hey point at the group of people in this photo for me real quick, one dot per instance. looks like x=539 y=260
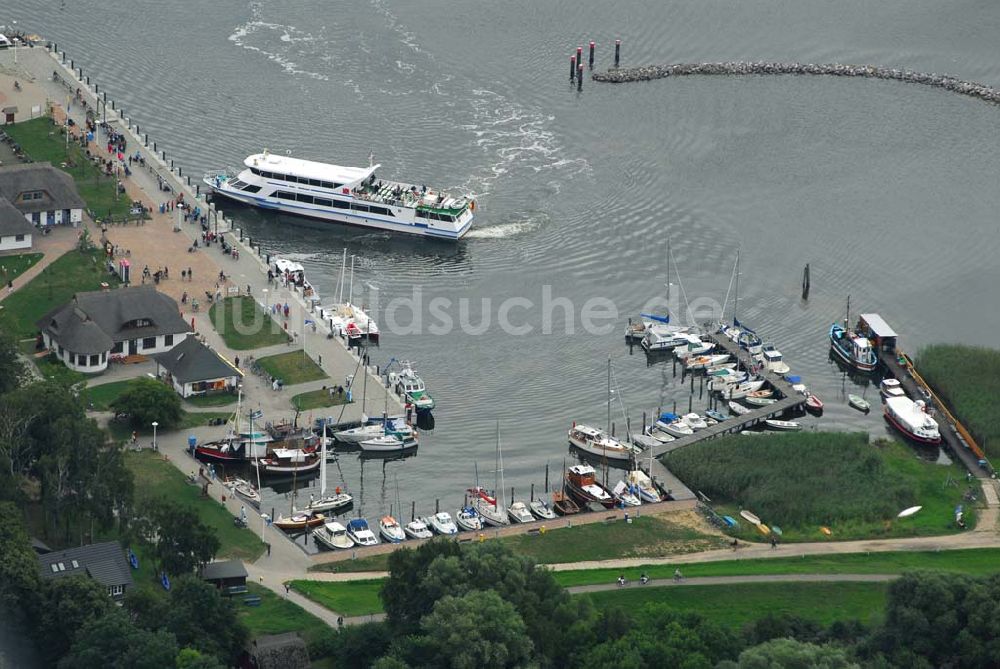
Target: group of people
x=159 y=274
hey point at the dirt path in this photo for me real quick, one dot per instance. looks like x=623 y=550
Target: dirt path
x=730 y=580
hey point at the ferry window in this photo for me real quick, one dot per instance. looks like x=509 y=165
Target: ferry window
x=337 y=185
x=379 y=210
x=315 y=182
x=266 y=175
x=421 y=213
x=308 y=199
x=284 y=195
x=252 y=189
x=323 y=203
x=326 y=184
x=359 y=207
x=254 y=170
x=340 y=204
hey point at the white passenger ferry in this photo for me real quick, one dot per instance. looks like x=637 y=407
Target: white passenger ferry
x=352 y=195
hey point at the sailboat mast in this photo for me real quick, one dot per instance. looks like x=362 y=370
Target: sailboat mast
x=668 y=276
x=263 y=523
x=322 y=463
x=736 y=302
x=847 y=316
x=350 y=294
x=340 y=284
x=499 y=472
x=608 y=426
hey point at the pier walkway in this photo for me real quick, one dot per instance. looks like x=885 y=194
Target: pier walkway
x=954 y=434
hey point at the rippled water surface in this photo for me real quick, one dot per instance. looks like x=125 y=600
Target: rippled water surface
x=888 y=190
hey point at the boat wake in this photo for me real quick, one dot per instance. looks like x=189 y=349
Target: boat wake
x=522 y=226
x=255 y=34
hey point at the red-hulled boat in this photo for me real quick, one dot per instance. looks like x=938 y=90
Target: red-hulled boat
x=224 y=451
x=581 y=482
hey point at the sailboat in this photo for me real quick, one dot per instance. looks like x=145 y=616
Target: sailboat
x=339 y=500
x=491 y=509
x=561 y=502
x=347 y=317
x=388 y=527
x=655 y=331
x=600 y=443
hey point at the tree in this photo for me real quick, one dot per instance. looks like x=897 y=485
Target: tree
x=147 y=607
x=12 y=369
x=111 y=641
x=476 y=630
x=67 y=605
x=201 y=619
x=19 y=581
x=189 y=658
x=148 y=400
x=179 y=539
x=353 y=646
x=792 y=654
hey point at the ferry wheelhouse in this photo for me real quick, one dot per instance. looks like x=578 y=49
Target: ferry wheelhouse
x=352 y=195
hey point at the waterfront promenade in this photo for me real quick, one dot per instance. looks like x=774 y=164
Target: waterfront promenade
x=156 y=244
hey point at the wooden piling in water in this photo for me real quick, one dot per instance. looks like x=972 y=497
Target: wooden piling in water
x=805 y=282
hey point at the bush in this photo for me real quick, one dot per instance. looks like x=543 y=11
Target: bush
x=148 y=400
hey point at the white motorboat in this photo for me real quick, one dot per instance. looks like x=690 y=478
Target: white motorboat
x=417 y=529
x=724 y=381
x=721 y=369
x=334 y=535
x=625 y=495
x=693 y=350
x=911 y=418
x=694 y=421
x=741 y=390
x=644 y=486
x=785 y=425
x=360 y=533
x=390 y=530
x=442 y=523
x=772 y=360
x=519 y=513
x=891 y=388
x=541 y=510
x=705 y=361
x=246 y=490
x=664 y=339
x=597 y=443
x=468 y=519
x=351 y=195
x=738 y=409
x=673 y=425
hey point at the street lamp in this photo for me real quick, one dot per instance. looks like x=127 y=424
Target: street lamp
x=155 y=425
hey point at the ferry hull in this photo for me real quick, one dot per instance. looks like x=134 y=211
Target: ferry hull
x=357 y=220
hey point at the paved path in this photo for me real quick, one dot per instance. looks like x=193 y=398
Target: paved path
x=730 y=580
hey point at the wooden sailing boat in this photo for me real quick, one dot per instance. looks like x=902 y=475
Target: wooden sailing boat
x=491 y=509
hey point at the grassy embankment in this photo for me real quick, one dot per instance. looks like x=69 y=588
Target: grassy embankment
x=72 y=273
x=646 y=536
x=277 y=615
x=317 y=399
x=292 y=367
x=802 y=482
x=244 y=325
x=349 y=598
x=967 y=379
x=157 y=477
x=737 y=604
x=43 y=141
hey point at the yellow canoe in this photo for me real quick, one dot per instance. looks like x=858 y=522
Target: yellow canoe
x=764 y=529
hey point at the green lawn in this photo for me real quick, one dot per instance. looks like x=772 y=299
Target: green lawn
x=967 y=379
x=802 y=482
x=43 y=141
x=647 y=536
x=12 y=267
x=976 y=561
x=292 y=367
x=53 y=369
x=351 y=598
x=277 y=615
x=100 y=397
x=189 y=419
x=72 y=273
x=317 y=399
x=158 y=477
x=212 y=400
x=740 y=603
x=244 y=325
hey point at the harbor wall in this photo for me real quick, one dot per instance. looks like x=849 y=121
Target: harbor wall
x=946 y=82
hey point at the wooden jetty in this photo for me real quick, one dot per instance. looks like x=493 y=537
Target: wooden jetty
x=791 y=401
x=959 y=441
